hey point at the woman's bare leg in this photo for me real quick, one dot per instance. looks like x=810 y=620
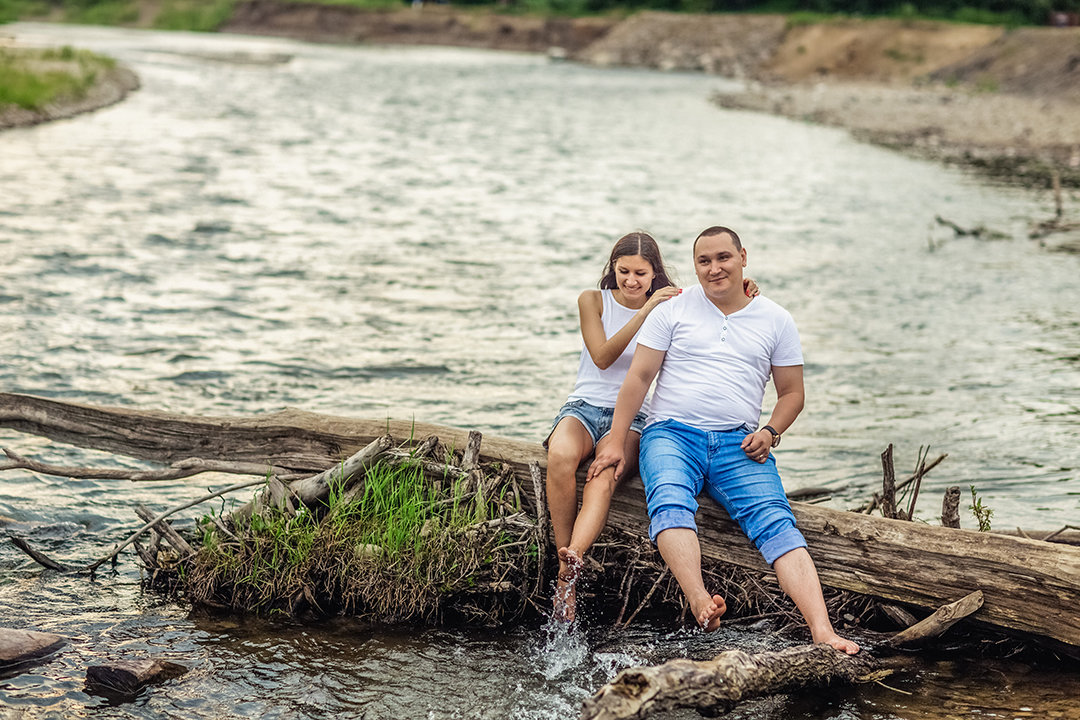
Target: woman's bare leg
x=596 y=501
x=569 y=444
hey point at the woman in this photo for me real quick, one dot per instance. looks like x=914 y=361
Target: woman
x=634 y=282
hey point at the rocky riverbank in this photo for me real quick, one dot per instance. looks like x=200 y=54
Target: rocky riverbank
x=1007 y=103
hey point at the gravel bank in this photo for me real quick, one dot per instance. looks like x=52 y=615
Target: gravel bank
x=1017 y=138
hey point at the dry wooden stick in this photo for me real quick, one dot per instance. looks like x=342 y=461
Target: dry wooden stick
x=51 y=564
x=950 y=507
x=1054 y=534
x=648 y=596
x=875 y=501
x=941 y=620
x=171 y=511
x=179 y=469
x=919 y=465
x=178 y=543
x=888 y=484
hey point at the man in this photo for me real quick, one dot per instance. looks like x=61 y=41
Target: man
x=714 y=349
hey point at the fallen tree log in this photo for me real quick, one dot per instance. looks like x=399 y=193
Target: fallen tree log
x=729 y=678
x=1029 y=586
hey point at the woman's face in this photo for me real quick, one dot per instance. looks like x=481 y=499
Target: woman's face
x=634 y=275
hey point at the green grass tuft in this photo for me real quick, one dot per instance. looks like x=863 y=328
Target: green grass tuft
x=32 y=79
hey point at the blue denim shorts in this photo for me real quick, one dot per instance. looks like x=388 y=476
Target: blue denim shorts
x=677 y=461
x=597 y=420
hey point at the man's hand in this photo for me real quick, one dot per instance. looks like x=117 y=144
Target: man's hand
x=608 y=454
x=756 y=445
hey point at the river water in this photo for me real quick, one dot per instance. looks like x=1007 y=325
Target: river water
x=402 y=232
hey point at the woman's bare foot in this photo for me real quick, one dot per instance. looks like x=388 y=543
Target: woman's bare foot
x=708 y=610
x=566 y=586
x=835 y=641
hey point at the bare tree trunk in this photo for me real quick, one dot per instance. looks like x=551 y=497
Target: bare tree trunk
x=1028 y=585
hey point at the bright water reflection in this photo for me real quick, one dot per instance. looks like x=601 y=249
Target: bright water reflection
x=403 y=232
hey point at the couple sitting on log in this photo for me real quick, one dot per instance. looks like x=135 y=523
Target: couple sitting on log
x=714 y=347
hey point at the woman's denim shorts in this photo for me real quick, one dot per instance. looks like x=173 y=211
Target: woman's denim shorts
x=597 y=420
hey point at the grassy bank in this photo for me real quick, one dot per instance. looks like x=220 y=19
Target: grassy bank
x=33 y=79
x=402 y=546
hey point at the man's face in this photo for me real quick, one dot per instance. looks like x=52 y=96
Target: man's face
x=719 y=265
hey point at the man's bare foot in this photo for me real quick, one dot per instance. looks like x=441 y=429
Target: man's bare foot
x=566 y=585
x=708 y=612
x=835 y=641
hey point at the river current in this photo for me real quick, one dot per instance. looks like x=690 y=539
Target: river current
x=403 y=232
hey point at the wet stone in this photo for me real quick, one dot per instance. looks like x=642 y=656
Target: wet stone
x=23 y=646
x=125 y=678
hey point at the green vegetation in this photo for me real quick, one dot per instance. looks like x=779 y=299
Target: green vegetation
x=206 y=15
x=194 y=15
x=981 y=512
x=405 y=547
x=31 y=79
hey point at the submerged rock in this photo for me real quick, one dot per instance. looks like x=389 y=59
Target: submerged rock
x=23 y=646
x=126 y=678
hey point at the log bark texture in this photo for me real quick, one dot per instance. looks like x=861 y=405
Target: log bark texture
x=1029 y=586
x=721 y=683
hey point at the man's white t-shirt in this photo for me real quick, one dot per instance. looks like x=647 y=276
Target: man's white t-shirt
x=716 y=367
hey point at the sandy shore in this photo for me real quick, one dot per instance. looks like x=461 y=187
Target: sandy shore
x=1013 y=137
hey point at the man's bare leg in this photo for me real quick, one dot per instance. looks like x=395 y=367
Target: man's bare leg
x=799 y=579
x=682 y=553
x=569 y=444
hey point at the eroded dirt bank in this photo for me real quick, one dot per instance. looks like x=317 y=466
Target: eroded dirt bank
x=1005 y=102
x=428 y=25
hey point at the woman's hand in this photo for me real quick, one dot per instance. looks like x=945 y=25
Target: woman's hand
x=664 y=293
x=750 y=287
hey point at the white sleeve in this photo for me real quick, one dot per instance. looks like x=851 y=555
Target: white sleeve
x=655 y=332
x=788 y=350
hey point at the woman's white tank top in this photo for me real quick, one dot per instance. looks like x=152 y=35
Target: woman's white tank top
x=601 y=387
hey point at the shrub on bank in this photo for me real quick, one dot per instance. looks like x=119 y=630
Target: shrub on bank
x=406 y=547
x=32 y=79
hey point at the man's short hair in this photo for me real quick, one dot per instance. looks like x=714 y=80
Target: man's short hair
x=718 y=230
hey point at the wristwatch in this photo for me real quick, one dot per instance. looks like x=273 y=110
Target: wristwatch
x=775 y=434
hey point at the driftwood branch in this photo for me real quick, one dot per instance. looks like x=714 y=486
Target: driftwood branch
x=875 y=501
x=729 y=678
x=950 y=507
x=178 y=543
x=943 y=618
x=51 y=564
x=177 y=470
x=888 y=484
x=171 y=511
x=311 y=490
x=39 y=557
